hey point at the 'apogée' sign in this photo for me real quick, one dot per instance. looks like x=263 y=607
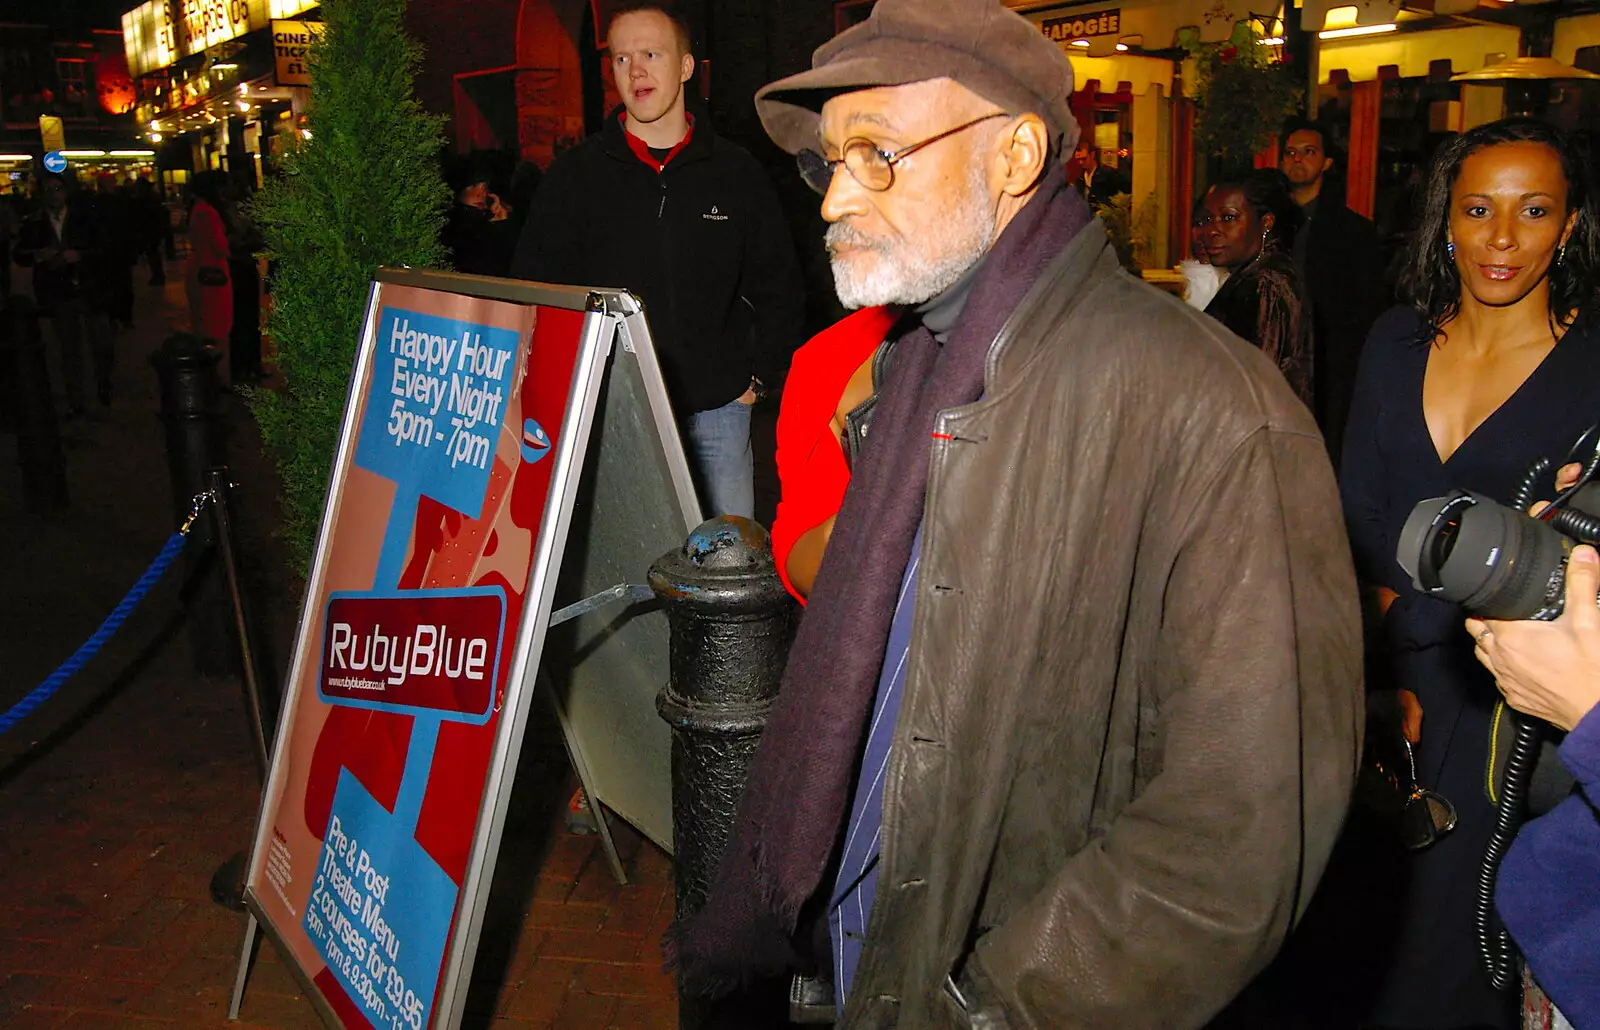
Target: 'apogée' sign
x=1069 y=27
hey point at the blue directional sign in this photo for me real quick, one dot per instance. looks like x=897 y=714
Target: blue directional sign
x=54 y=162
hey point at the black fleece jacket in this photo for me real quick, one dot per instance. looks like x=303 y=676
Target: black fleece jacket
x=702 y=243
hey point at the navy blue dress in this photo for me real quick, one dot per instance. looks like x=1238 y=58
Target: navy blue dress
x=1435 y=979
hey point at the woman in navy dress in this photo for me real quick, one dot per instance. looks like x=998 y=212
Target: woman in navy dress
x=1494 y=361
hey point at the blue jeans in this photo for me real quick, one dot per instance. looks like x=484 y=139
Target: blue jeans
x=719 y=457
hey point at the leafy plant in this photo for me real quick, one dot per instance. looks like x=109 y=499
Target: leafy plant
x=362 y=189
x=1131 y=229
x=1243 y=94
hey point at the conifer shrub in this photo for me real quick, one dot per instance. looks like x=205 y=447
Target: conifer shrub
x=361 y=190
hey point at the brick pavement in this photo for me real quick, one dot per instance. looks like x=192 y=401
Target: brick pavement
x=119 y=801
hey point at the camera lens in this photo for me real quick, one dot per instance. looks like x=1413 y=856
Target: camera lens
x=1491 y=560
x=1443 y=541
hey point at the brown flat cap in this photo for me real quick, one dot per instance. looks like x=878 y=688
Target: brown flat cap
x=993 y=51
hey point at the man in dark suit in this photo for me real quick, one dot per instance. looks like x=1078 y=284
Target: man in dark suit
x=1096 y=182
x=64 y=244
x=1337 y=254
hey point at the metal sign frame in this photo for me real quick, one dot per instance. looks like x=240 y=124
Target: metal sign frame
x=610 y=316
x=604 y=668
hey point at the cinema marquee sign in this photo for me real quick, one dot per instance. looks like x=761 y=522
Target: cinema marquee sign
x=158 y=33
x=1069 y=27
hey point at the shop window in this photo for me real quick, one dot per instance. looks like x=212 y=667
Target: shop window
x=72 y=77
x=1418 y=114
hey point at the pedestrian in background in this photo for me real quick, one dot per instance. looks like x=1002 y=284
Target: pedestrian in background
x=1096 y=181
x=8 y=229
x=153 y=225
x=658 y=204
x=1337 y=254
x=1247 y=224
x=244 y=276
x=113 y=266
x=481 y=232
x=206 y=280
x=61 y=242
x=1202 y=277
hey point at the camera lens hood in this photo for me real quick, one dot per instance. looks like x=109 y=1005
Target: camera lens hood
x=1492 y=560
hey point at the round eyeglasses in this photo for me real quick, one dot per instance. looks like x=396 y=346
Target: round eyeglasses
x=867 y=164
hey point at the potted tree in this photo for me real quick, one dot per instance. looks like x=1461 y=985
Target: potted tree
x=360 y=188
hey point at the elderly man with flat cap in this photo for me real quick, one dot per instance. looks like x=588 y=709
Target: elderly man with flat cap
x=1069 y=725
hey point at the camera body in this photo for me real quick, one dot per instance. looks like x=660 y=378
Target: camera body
x=1494 y=561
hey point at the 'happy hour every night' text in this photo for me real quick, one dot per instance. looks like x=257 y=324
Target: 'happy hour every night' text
x=447 y=391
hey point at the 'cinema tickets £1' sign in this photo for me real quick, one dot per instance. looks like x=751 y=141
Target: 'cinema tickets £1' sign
x=158 y=33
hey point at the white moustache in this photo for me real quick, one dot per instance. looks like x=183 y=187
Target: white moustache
x=842 y=235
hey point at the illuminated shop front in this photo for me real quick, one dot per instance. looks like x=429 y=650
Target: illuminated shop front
x=68 y=94
x=1396 y=78
x=220 y=83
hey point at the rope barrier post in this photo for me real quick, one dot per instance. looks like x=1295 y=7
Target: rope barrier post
x=187 y=373
x=261 y=716
x=25 y=377
x=227 y=883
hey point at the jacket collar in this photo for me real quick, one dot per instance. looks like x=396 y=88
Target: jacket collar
x=1328 y=200
x=624 y=146
x=1086 y=256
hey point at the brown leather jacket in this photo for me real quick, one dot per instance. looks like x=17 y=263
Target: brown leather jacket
x=1133 y=709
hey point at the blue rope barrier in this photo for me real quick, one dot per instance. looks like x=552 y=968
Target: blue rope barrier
x=43 y=692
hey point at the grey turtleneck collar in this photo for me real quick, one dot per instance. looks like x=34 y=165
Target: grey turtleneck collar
x=941 y=313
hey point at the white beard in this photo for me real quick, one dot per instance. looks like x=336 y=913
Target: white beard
x=902 y=271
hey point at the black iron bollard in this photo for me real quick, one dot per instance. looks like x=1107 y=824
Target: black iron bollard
x=187 y=373
x=731 y=625
x=25 y=378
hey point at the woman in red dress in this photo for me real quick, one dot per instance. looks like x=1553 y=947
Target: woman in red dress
x=830 y=376
x=206 y=279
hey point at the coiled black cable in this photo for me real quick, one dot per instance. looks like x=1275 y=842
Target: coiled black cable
x=1494 y=945
x=1522 y=500
x=1577 y=524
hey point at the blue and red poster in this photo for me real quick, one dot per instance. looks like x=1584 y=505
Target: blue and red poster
x=406 y=645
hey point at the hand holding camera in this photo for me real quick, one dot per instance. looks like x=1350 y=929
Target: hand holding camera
x=1531 y=580
x=1550 y=670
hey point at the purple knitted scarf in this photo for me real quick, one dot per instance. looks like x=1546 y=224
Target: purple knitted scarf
x=798 y=793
